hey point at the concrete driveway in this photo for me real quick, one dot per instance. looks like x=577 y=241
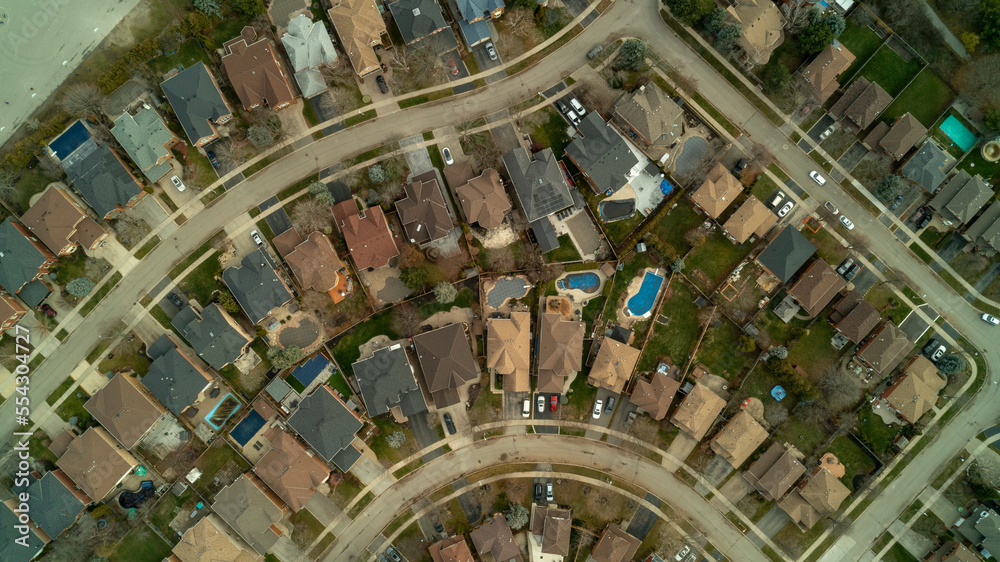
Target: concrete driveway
x=546 y=413
x=605 y=420
x=485 y=63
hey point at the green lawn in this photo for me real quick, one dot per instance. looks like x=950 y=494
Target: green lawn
x=974 y=163
x=788 y=54
x=380 y=446
x=813 y=351
x=187 y=54
x=874 y=432
x=898 y=553
x=72 y=406
x=212 y=460
x=718 y=351
x=926 y=98
x=126 y=354
x=805 y=436
x=671 y=229
x=552 y=132
x=827 y=247
x=855 y=460
x=565 y=252
x=462 y=300
x=676 y=338
x=346 y=351
x=882 y=298
x=890 y=71
x=715 y=114
x=59 y=391
x=147 y=247
x=763 y=187
x=200 y=283
x=862 y=42
x=715 y=259
x=619 y=230
x=306 y=528
x=590 y=311
x=31 y=182
x=141 y=544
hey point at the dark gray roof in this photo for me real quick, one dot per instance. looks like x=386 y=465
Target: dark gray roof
x=11 y=551
x=211 y=336
x=19 y=258
x=602 y=153
x=545 y=234
x=54 y=507
x=256 y=285
x=786 y=255
x=328 y=426
x=174 y=381
x=539 y=184
x=160 y=347
x=962 y=197
x=103 y=181
x=928 y=166
x=417 y=19
x=386 y=380
x=196 y=101
x=34 y=293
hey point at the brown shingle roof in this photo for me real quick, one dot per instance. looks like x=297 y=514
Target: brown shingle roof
x=656 y=395
x=286 y=242
x=553 y=526
x=753 y=217
x=615 y=545
x=59 y=222
x=878 y=133
x=446 y=360
x=613 y=365
x=739 y=439
x=822 y=72
x=651 y=113
x=495 y=537
x=210 y=540
x=360 y=27
x=96 y=462
x=422 y=212
x=862 y=103
x=508 y=350
x=825 y=492
x=251 y=511
x=886 y=348
x=916 y=390
x=560 y=351
x=817 y=287
x=760 y=23
x=697 y=411
x=859 y=322
x=454 y=549
x=774 y=473
x=124 y=409
x=315 y=263
x=484 y=200
x=255 y=72
x=717 y=192
x=799 y=510
x=290 y=471
x=367 y=234
x=905 y=133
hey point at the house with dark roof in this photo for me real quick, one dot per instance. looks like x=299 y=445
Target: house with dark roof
x=885 y=348
x=125 y=408
x=23 y=260
x=255 y=73
x=816 y=287
x=213 y=334
x=360 y=26
x=961 y=198
x=603 y=155
x=776 y=471
x=915 y=390
x=494 y=537
x=423 y=212
x=697 y=412
x=105 y=182
x=752 y=218
x=387 y=383
x=928 y=166
x=739 y=439
x=417 y=19
x=147 y=140
x=613 y=366
x=473 y=22
x=256 y=286
x=366 y=233
x=484 y=200
x=15 y=546
x=198 y=103
x=446 y=360
x=96 y=463
x=822 y=72
x=854 y=317
x=786 y=254
x=862 y=103
x=559 y=351
x=328 y=426
x=508 y=350
x=211 y=539
x=902 y=136
x=655 y=395
x=291 y=471
x=650 y=116
x=550 y=531
x=615 y=545
x=61 y=224
x=545 y=234
x=539 y=183
x=177 y=381
x=981 y=527
x=717 y=192
x=56 y=503
x=309 y=47
x=252 y=510
x=984 y=233
x=11 y=311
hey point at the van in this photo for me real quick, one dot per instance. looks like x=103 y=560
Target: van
x=526 y=410
x=595 y=51
x=578 y=107
x=777 y=199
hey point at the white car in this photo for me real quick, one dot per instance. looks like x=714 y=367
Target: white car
x=990 y=319
x=526 y=411
x=597 y=409
x=541 y=403
x=448 y=160
x=684 y=552
x=491 y=51
x=573 y=117
x=256 y=237
x=826 y=133
x=787 y=207
x=578 y=107
x=177 y=183
x=820 y=180
x=846 y=222
x=832 y=208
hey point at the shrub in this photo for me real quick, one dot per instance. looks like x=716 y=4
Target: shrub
x=445 y=292
x=284 y=357
x=80 y=287
x=395 y=439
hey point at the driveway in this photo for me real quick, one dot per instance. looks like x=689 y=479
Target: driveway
x=278 y=220
x=605 y=420
x=819 y=127
x=485 y=63
x=425 y=434
x=546 y=413
x=643 y=519
x=618 y=422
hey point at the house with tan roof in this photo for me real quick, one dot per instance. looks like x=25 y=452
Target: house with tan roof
x=550 y=530
x=739 y=439
x=508 y=350
x=862 y=103
x=361 y=28
x=367 y=234
x=823 y=71
x=211 y=539
x=445 y=357
x=316 y=265
x=615 y=545
x=717 y=192
x=650 y=116
x=484 y=200
x=61 y=224
x=255 y=73
x=816 y=287
x=885 y=348
x=291 y=471
x=454 y=549
x=761 y=25
x=613 y=365
x=96 y=463
x=961 y=198
x=560 y=351
x=776 y=471
x=655 y=395
x=11 y=311
x=854 y=317
x=252 y=510
x=125 y=408
x=697 y=412
x=423 y=213
x=820 y=496
x=902 y=136
x=753 y=218
x=915 y=390
x=495 y=538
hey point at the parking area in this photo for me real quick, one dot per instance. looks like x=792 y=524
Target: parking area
x=278 y=220
x=546 y=412
x=603 y=395
x=486 y=63
x=823 y=124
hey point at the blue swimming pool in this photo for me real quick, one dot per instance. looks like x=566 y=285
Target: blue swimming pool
x=642 y=302
x=956 y=131
x=587 y=282
x=247 y=428
x=69 y=140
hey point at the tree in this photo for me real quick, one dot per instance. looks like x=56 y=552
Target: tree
x=985 y=469
x=888 y=187
x=993 y=119
x=82 y=99
x=377 y=174
x=520 y=21
x=405 y=320
x=775 y=76
x=714 y=21
x=779 y=352
x=208 y=7
x=775 y=415
x=80 y=287
x=284 y=357
x=248 y=8
x=677 y=266
x=410 y=256
x=979 y=79
x=322 y=194
x=835 y=22
x=194 y=24
x=395 y=439
x=746 y=344
x=631 y=55
x=445 y=292
x=516 y=515
x=989 y=22
x=230 y=154
x=501 y=259
x=689 y=12
x=815 y=37
x=413 y=277
x=312 y=215
x=725 y=42
x=228 y=303
x=8 y=181
x=796 y=16
x=338 y=100
x=840 y=391
x=260 y=136
x=695 y=237
x=950 y=363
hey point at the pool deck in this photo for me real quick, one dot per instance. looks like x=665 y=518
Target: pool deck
x=578 y=296
x=625 y=318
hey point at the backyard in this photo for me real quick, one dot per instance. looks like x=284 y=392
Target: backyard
x=718 y=351
x=709 y=264
x=674 y=339
x=139 y=545
x=813 y=351
x=855 y=460
x=926 y=98
x=212 y=461
x=346 y=351
x=862 y=42
x=890 y=71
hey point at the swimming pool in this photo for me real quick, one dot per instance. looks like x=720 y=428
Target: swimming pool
x=611 y=211
x=223 y=411
x=587 y=282
x=247 y=428
x=642 y=302
x=956 y=131
x=507 y=288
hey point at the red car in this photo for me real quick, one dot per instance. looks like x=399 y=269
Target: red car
x=49 y=311
x=553 y=403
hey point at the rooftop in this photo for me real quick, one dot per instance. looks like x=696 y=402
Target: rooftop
x=602 y=154
x=915 y=391
x=816 y=287
x=446 y=360
x=386 y=380
x=255 y=73
x=246 y=507
x=739 y=439
x=214 y=335
x=196 y=100
x=539 y=183
x=656 y=395
x=256 y=286
x=324 y=421
x=786 y=254
x=698 y=410
x=145 y=137
x=291 y=471
x=104 y=181
x=717 y=192
x=508 y=350
x=57 y=221
x=560 y=351
x=124 y=409
x=96 y=463
x=366 y=233
x=886 y=348
x=613 y=365
x=484 y=199
x=752 y=218
x=423 y=212
x=176 y=381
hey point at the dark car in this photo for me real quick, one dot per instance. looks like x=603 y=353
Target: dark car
x=930 y=347
x=49 y=311
x=439 y=527
x=925 y=217
x=450 y=424
x=739 y=167
x=561 y=107
x=382 y=87
x=851 y=273
x=175 y=300
x=393 y=555
x=538 y=492
x=895 y=204
x=213 y=159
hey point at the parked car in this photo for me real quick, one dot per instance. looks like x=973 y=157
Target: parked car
x=450 y=424
x=538 y=492
x=549 y=495
x=213 y=159
x=739 y=167
x=177 y=183
x=776 y=200
x=820 y=180
x=684 y=552
x=541 y=403
x=826 y=133
x=597 y=409
x=846 y=222
x=526 y=411
x=832 y=208
x=844 y=266
x=787 y=207
x=917 y=215
x=577 y=106
x=448 y=160
x=573 y=117
x=611 y=405
x=561 y=107
x=594 y=52
x=393 y=554
x=491 y=51
x=851 y=273
x=256 y=237
x=382 y=86
x=175 y=300
x=439 y=527
x=926 y=219
x=553 y=403
x=938 y=353
x=896 y=203
x=929 y=347
x=49 y=311
x=990 y=319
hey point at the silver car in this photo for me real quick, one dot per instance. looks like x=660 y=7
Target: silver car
x=787 y=207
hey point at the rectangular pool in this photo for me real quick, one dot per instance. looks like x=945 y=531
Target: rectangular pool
x=958 y=133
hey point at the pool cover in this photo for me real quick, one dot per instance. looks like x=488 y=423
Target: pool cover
x=586 y=282
x=642 y=302
x=247 y=428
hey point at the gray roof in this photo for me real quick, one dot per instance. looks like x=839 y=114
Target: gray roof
x=386 y=380
x=19 y=258
x=308 y=43
x=256 y=285
x=962 y=197
x=11 y=551
x=928 y=166
x=144 y=136
x=786 y=255
x=475 y=32
x=211 y=335
x=196 y=101
x=54 y=506
x=278 y=389
x=174 y=381
x=160 y=347
x=472 y=9
x=986 y=229
x=539 y=184
x=310 y=82
x=328 y=426
x=245 y=507
x=545 y=234
x=602 y=154
x=34 y=293
x=989 y=527
x=417 y=19
x=651 y=112
x=104 y=181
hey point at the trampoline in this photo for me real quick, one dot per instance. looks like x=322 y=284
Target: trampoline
x=641 y=303
x=587 y=282
x=247 y=428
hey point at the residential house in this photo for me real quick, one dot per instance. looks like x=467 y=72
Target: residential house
x=508 y=350
x=177 y=381
x=861 y=104
x=252 y=510
x=291 y=471
x=96 y=463
x=417 y=19
x=147 y=140
x=387 y=383
x=697 y=412
x=56 y=503
x=316 y=265
x=776 y=471
x=255 y=73
x=603 y=155
x=823 y=71
x=198 y=103
x=615 y=545
x=23 y=260
x=256 y=285
x=981 y=528
x=903 y=135
x=786 y=254
x=961 y=198
x=650 y=116
x=105 y=182
x=309 y=47
x=717 y=192
x=473 y=19
x=613 y=365
x=213 y=334
x=854 y=317
x=878 y=132
x=984 y=233
x=11 y=311
x=915 y=390
x=62 y=225
x=453 y=549
x=816 y=287
x=761 y=26
x=494 y=537
x=928 y=166
x=560 y=351
x=545 y=234
x=328 y=426
x=952 y=551
x=484 y=200
x=211 y=539
x=550 y=531
x=655 y=395
x=820 y=496
x=423 y=212
x=752 y=218
x=360 y=27
x=446 y=360
x=125 y=408
x=739 y=439
x=30 y=545
x=885 y=348
x=366 y=233
x=539 y=183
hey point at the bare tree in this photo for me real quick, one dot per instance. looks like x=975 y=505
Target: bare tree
x=840 y=391
x=83 y=99
x=321 y=305
x=979 y=80
x=501 y=259
x=775 y=415
x=340 y=74
x=93 y=268
x=338 y=100
x=230 y=154
x=695 y=237
x=796 y=15
x=596 y=94
x=311 y=215
x=985 y=469
x=8 y=180
x=405 y=320
x=506 y=45
x=520 y=21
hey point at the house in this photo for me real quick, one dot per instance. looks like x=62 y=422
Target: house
x=820 y=496
x=915 y=390
x=147 y=140
x=256 y=286
x=902 y=136
x=823 y=71
x=255 y=72
x=417 y=19
x=96 y=463
x=198 y=103
x=697 y=412
x=211 y=539
x=494 y=537
x=650 y=116
x=952 y=551
x=603 y=155
x=308 y=46
x=961 y=198
x=252 y=511
x=760 y=24
x=473 y=19
x=560 y=351
x=177 y=381
x=816 y=287
x=717 y=192
x=125 y=408
x=454 y=549
x=62 y=225
x=786 y=254
x=366 y=233
x=105 y=182
x=615 y=545
x=291 y=471
x=854 y=317
x=508 y=350
x=423 y=212
x=885 y=348
x=655 y=395
x=550 y=531
x=752 y=218
x=878 y=132
x=981 y=528
x=316 y=265
x=739 y=439
x=613 y=365
x=861 y=103
x=928 y=166
x=387 y=383
x=984 y=233
x=213 y=334
x=539 y=183
x=360 y=27
x=328 y=426
x=776 y=471
x=11 y=311
x=446 y=361
x=31 y=543
x=23 y=260
x=56 y=503
x=484 y=200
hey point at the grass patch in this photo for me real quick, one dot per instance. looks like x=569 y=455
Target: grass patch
x=186 y=55
x=763 y=187
x=31 y=182
x=193 y=257
x=715 y=114
x=361 y=505
x=717 y=351
x=60 y=390
x=309 y=114
x=425 y=98
x=72 y=406
x=212 y=460
x=898 y=553
x=813 y=351
x=926 y=98
x=885 y=300
x=61 y=335
x=141 y=544
x=296 y=187
x=945 y=474
x=126 y=354
x=921 y=253
x=677 y=337
x=890 y=71
x=552 y=132
x=97 y=297
x=360 y=118
x=200 y=283
x=862 y=42
x=856 y=460
x=715 y=259
x=305 y=528
x=874 y=432
x=827 y=247
x=806 y=437
x=346 y=350
x=147 y=247
x=322 y=546
x=462 y=300
x=565 y=252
